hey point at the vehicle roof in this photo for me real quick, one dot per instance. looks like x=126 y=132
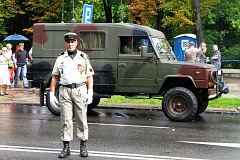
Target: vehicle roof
x=139 y=29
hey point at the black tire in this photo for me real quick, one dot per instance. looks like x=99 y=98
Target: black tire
x=94 y=103
x=202 y=106
x=202 y=102
x=179 y=104
x=52 y=109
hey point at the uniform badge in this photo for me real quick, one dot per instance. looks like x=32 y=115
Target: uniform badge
x=61 y=66
x=81 y=68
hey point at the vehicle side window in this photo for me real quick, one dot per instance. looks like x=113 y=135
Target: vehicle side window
x=92 y=40
x=126 y=45
x=130 y=45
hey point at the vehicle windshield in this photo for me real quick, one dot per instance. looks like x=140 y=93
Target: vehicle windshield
x=162 y=46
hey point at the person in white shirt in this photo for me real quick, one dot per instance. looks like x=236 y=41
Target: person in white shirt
x=74 y=73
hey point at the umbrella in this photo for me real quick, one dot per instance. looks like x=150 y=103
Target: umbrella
x=15 y=38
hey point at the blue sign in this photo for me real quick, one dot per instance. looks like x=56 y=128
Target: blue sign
x=144 y=42
x=87 y=13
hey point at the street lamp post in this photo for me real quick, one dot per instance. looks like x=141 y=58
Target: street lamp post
x=73 y=19
x=121 y=13
x=62 y=11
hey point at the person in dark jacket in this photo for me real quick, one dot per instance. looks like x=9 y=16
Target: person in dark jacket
x=21 y=57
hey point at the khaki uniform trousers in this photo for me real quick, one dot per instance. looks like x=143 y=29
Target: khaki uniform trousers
x=71 y=104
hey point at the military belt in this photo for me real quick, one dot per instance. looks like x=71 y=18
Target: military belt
x=74 y=85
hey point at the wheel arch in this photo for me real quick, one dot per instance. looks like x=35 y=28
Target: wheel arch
x=177 y=81
x=45 y=84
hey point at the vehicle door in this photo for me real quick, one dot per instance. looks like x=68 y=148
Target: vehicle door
x=134 y=70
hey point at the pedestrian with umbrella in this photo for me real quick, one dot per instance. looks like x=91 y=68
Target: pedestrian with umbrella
x=21 y=59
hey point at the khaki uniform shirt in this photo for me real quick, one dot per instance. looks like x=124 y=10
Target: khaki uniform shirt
x=191 y=54
x=73 y=71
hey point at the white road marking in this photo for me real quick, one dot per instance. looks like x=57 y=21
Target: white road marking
x=123 y=125
x=92 y=153
x=234 y=145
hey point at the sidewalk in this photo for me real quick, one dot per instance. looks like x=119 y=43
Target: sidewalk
x=30 y=96
x=234 y=88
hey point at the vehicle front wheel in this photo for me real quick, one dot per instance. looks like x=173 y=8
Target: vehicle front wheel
x=179 y=104
x=202 y=101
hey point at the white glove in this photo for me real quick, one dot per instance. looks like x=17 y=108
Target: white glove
x=53 y=100
x=89 y=97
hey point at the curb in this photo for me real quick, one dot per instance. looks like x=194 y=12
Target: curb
x=154 y=108
x=137 y=107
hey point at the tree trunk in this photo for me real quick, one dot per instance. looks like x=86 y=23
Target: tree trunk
x=197 y=20
x=108 y=11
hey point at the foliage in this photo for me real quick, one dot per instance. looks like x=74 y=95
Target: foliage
x=99 y=15
x=43 y=11
x=232 y=55
x=178 y=15
x=222 y=21
x=7 y=11
x=221 y=26
x=141 y=11
x=98 y=12
x=173 y=17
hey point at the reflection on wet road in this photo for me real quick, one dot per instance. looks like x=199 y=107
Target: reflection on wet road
x=29 y=131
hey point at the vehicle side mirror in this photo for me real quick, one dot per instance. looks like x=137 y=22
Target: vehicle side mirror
x=144 y=52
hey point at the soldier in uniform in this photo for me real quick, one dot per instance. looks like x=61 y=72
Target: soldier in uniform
x=73 y=72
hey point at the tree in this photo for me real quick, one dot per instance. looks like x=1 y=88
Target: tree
x=144 y=12
x=197 y=19
x=7 y=11
x=173 y=17
x=221 y=27
x=108 y=10
x=43 y=11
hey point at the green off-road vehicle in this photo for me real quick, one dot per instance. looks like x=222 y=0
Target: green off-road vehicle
x=128 y=60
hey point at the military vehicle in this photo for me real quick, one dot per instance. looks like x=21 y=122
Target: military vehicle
x=128 y=60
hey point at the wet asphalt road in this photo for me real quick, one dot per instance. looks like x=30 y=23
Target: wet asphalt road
x=30 y=132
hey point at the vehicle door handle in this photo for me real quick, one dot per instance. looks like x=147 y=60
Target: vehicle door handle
x=121 y=65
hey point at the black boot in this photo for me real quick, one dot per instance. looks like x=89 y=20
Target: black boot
x=66 y=150
x=83 y=149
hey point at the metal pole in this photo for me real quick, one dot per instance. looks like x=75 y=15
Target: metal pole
x=73 y=19
x=62 y=11
x=121 y=13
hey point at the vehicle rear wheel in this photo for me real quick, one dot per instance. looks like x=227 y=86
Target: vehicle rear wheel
x=54 y=110
x=179 y=104
x=94 y=103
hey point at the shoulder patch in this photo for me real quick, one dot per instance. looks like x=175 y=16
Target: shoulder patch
x=61 y=54
x=84 y=55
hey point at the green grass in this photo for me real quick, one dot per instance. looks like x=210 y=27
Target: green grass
x=121 y=100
